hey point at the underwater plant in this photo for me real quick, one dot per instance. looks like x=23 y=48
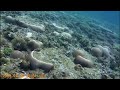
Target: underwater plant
x=7 y=51
x=9 y=35
x=4 y=60
x=117 y=47
x=1 y=53
x=84 y=43
x=19 y=44
x=3 y=41
x=25 y=65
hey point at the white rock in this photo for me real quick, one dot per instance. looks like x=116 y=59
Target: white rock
x=56 y=33
x=66 y=35
x=29 y=34
x=59 y=27
x=40 y=28
x=9 y=19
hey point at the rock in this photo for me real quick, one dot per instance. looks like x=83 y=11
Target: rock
x=100 y=51
x=33 y=44
x=59 y=27
x=96 y=52
x=17 y=54
x=83 y=61
x=56 y=33
x=21 y=24
x=76 y=52
x=66 y=35
x=35 y=63
x=106 y=51
x=37 y=28
x=10 y=19
x=29 y=34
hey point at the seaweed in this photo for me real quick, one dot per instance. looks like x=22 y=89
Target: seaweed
x=19 y=44
x=7 y=51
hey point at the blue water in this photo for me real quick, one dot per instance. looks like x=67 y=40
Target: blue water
x=112 y=17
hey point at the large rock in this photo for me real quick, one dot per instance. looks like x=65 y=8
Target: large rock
x=101 y=51
x=17 y=54
x=35 y=63
x=14 y=21
x=33 y=44
x=56 y=33
x=83 y=61
x=96 y=51
x=40 y=28
x=76 y=52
